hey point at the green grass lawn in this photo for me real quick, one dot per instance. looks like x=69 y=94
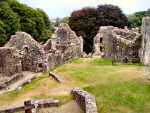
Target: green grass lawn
x=118 y=88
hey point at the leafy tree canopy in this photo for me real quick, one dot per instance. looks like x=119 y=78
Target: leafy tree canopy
x=15 y=16
x=136 y=18
x=86 y=22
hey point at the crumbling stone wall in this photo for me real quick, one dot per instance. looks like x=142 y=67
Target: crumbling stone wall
x=67 y=42
x=103 y=42
x=63 y=45
x=32 y=53
x=121 y=45
x=86 y=101
x=145 y=49
x=10 y=61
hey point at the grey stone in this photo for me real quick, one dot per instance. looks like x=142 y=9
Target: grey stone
x=145 y=49
x=10 y=61
x=121 y=45
x=85 y=100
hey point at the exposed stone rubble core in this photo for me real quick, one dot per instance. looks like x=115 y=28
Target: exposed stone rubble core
x=23 y=53
x=145 y=49
x=85 y=100
x=121 y=45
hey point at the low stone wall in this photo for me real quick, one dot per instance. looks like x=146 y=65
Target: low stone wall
x=29 y=105
x=14 y=78
x=85 y=100
x=56 y=77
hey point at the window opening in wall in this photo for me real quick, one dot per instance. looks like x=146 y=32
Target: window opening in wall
x=101 y=48
x=40 y=65
x=126 y=60
x=101 y=40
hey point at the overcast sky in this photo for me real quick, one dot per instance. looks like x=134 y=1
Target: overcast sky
x=62 y=8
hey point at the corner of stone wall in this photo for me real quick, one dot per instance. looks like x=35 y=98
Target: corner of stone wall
x=86 y=101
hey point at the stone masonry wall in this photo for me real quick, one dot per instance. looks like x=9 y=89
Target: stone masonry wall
x=10 y=61
x=63 y=46
x=121 y=45
x=85 y=100
x=32 y=54
x=145 y=49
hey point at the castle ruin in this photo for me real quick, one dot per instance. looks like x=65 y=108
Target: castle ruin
x=23 y=53
x=124 y=45
x=121 y=45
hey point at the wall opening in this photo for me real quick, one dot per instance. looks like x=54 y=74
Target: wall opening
x=101 y=40
x=101 y=49
x=40 y=65
x=125 y=60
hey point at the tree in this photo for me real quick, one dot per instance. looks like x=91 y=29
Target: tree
x=83 y=22
x=9 y=22
x=15 y=16
x=135 y=19
x=111 y=15
x=86 y=22
x=61 y=20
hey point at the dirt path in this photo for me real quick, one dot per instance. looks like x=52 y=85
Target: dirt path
x=58 y=90
x=28 y=76
x=70 y=107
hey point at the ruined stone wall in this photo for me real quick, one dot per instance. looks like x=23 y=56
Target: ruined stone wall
x=126 y=45
x=68 y=42
x=33 y=55
x=103 y=42
x=145 y=49
x=86 y=101
x=121 y=45
x=10 y=61
x=64 y=45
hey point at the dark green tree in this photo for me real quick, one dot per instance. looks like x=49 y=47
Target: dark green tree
x=15 y=16
x=86 y=22
x=136 y=18
x=9 y=22
x=61 y=20
x=83 y=22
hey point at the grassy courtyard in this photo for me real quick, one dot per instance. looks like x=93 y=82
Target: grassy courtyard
x=118 y=88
